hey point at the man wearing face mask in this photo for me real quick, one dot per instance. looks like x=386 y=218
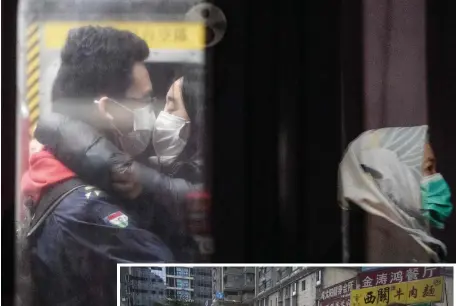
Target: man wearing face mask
x=75 y=243
x=178 y=136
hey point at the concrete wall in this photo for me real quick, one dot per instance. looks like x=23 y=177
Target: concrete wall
x=448 y=294
x=274 y=299
x=308 y=296
x=395 y=63
x=217 y=285
x=332 y=276
x=395 y=94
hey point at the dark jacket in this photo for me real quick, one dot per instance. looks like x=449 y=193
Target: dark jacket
x=73 y=254
x=93 y=157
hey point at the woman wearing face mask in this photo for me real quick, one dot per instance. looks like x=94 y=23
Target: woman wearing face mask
x=391 y=173
x=176 y=135
x=179 y=130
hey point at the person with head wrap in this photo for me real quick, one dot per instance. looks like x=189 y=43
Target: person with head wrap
x=391 y=173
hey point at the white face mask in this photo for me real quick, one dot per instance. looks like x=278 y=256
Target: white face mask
x=138 y=140
x=168 y=137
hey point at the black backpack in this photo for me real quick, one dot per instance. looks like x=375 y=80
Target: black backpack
x=26 y=294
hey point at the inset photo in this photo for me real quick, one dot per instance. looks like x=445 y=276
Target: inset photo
x=284 y=286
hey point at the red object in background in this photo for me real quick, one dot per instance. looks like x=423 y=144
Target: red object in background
x=198 y=209
x=198 y=222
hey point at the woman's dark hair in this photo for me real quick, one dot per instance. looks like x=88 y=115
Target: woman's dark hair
x=97 y=60
x=193 y=91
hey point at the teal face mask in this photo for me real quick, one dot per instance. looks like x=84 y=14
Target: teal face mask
x=436 y=200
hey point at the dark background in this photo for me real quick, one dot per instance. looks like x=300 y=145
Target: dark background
x=277 y=72
x=289 y=68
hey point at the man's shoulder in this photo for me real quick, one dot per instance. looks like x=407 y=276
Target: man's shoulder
x=85 y=194
x=87 y=204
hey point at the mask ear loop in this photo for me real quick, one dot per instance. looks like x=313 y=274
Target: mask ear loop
x=109 y=116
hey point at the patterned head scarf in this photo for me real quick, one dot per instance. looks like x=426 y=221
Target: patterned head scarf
x=381 y=172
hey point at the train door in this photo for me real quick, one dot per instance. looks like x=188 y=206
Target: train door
x=176 y=39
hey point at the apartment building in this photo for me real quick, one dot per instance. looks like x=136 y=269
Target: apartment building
x=189 y=284
x=296 y=286
x=142 y=286
x=179 y=283
x=233 y=285
x=203 y=285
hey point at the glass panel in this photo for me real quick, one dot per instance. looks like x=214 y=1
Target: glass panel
x=111 y=95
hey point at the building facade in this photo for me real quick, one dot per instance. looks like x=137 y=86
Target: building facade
x=448 y=294
x=155 y=285
x=179 y=283
x=296 y=286
x=189 y=284
x=203 y=285
x=233 y=285
x=142 y=286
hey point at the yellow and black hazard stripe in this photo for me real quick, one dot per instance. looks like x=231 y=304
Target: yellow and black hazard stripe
x=33 y=74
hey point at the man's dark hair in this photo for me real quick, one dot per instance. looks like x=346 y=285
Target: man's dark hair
x=97 y=60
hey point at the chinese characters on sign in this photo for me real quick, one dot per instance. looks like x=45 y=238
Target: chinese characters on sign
x=158 y=35
x=338 y=295
x=397 y=275
x=336 y=302
x=419 y=291
x=340 y=290
x=173 y=35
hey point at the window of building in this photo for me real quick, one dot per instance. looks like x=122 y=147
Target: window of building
x=250 y=277
x=303 y=285
x=182 y=283
x=183 y=295
x=319 y=275
x=183 y=272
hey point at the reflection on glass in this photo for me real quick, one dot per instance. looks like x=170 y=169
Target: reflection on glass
x=112 y=104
